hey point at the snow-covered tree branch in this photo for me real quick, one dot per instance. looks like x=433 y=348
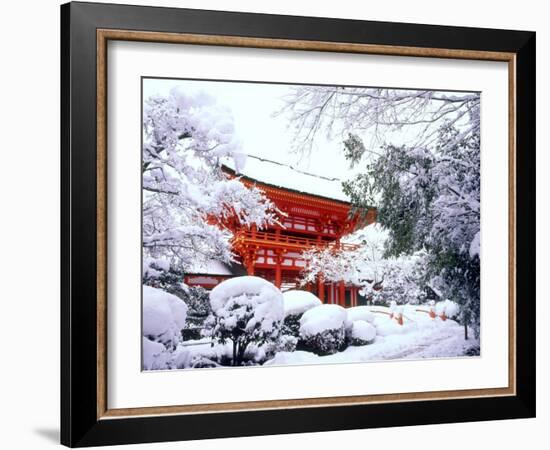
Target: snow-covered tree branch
x=376 y=113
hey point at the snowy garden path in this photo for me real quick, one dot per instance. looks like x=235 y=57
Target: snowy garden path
x=424 y=338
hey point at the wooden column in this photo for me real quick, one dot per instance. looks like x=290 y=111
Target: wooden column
x=321 y=288
x=250 y=268
x=278 y=271
x=342 y=294
x=250 y=263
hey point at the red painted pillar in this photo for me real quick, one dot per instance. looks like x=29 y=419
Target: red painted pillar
x=250 y=264
x=342 y=294
x=321 y=288
x=278 y=272
x=250 y=268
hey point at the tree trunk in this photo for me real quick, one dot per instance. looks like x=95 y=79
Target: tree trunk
x=466 y=331
x=242 y=348
x=234 y=362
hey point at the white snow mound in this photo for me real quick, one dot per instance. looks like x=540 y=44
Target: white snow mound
x=321 y=318
x=164 y=315
x=298 y=302
x=361 y=329
x=386 y=326
x=155 y=355
x=360 y=313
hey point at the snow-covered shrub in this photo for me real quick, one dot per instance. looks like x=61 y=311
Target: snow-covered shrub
x=322 y=329
x=296 y=303
x=158 y=273
x=198 y=301
x=193 y=354
x=361 y=333
x=287 y=343
x=164 y=316
x=155 y=355
x=447 y=309
x=246 y=310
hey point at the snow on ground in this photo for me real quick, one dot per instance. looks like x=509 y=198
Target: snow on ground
x=419 y=337
x=298 y=302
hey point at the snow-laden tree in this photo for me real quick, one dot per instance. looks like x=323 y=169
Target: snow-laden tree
x=186 y=195
x=429 y=199
x=363 y=266
x=402 y=279
x=246 y=310
x=405 y=279
x=369 y=117
x=418 y=158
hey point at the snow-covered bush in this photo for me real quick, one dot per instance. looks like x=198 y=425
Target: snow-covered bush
x=164 y=316
x=260 y=354
x=287 y=343
x=296 y=303
x=201 y=353
x=361 y=333
x=155 y=355
x=447 y=309
x=198 y=301
x=246 y=310
x=322 y=329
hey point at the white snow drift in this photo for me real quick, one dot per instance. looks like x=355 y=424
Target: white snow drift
x=164 y=315
x=298 y=302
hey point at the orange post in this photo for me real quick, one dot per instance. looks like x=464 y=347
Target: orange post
x=278 y=273
x=321 y=288
x=342 y=294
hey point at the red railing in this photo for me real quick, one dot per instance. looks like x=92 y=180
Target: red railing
x=266 y=237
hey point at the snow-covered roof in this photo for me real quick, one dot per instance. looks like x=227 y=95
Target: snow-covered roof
x=288 y=177
x=212 y=267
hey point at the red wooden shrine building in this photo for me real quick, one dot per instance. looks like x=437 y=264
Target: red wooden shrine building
x=316 y=215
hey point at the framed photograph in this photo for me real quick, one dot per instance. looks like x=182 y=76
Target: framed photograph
x=277 y=224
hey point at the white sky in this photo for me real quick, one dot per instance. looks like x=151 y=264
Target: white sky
x=252 y=106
